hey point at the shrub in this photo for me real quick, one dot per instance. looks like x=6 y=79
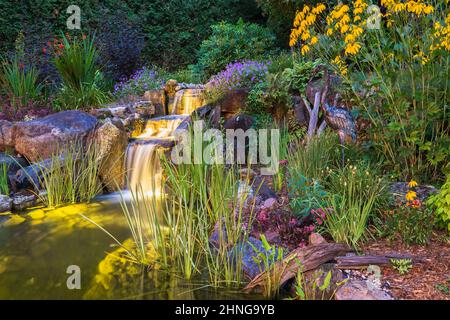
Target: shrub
x=297 y=77
x=305 y=195
x=238 y=75
x=82 y=81
x=144 y=79
x=441 y=204
x=120 y=42
x=232 y=42
x=270 y=96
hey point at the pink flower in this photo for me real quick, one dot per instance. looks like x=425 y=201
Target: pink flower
x=283 y=162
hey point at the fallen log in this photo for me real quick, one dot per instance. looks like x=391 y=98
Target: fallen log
x=358 y=262
x=306 y=259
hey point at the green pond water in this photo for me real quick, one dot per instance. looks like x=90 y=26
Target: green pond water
x=37 y=247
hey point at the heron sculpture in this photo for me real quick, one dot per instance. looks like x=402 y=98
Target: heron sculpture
x=338 y=119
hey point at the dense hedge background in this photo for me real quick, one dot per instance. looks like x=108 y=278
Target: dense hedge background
x=172 y=30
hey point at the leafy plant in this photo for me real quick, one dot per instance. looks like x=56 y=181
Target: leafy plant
x=297 y=77
x=402 y=265
x=82 y=80
x=270 y=261
x=232 y=42
x=270 y=96
x=440 y=202
x=444 y=288
x=308 y=289
x=410 y=224
x=146 y=78
x=305 y=195
x=20 y=83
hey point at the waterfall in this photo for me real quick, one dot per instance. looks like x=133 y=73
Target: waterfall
x=143 y=167
x=187 y=100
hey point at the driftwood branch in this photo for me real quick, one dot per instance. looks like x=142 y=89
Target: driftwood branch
x=313 y=115
x=358 y=262
x=322 y=127
x=306 y=259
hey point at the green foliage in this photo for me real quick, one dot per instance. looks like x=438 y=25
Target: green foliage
x=354 y=194
x=297 y=77
x=305 y=195
x=232 y=42
x=81 y=77
x=311 y=289
x=4 y=188
x=440 y=202
x=173 y=29
x=270 y=261
x=269 y=97
x=444 y=288
x=70 y=176
x=20 y=83
x=401 y=265
x=409 y=224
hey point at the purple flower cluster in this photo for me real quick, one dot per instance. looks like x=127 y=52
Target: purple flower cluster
x=140 y=81
x=238 y=75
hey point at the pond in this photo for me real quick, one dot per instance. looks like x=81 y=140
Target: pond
x=37 y=247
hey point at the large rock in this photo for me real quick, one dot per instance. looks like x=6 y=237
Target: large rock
x=233 y=102
x=240 y=121
x=359 y=290
x=6 y=133
x=158 y=99
x=112 y=142
x=41 y=138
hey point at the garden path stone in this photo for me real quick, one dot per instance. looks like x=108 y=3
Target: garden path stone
x=360 y=290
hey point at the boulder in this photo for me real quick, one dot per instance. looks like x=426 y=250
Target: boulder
x=6 y=133
x=359 y=290
x=13 y=164
x=158 y=100
x=5 y=203
x=316 y=238
x=233 y=102
x=112 y=142
x=41 y=138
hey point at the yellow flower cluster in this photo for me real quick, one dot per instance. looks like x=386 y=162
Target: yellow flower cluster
x=416 y=7
x=340 y=20
x=423 y=58
x=342 y=66
x=442 y=35
x=304 y=27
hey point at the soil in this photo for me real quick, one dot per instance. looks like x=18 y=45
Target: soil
x=423 y=281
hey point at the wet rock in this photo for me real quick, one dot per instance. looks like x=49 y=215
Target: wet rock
x=359 y=290
x=112 y=143
x=5 y=203
x=13 y=220
x=144 y=108
x=21 y=202
x=157 y=99
x=316 y=238
x=41 y=138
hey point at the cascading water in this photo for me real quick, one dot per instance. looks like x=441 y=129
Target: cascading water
x=143 y=167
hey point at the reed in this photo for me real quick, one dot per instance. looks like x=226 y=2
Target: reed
x=4 y=188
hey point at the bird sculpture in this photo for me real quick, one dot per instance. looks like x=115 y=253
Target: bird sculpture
x=338 y=119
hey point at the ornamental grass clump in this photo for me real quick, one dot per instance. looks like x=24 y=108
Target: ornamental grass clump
x=354 y=193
